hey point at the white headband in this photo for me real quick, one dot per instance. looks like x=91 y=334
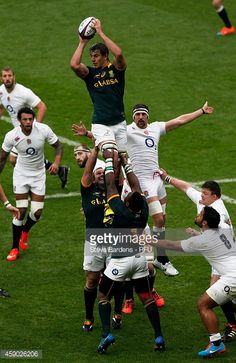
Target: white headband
x=140 y=110
x=78 y=149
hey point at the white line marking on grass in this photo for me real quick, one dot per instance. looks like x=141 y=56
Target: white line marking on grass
x=68 y=141
x=226 y=198
x=77 y=194
x=62 y=195
x=7 y=119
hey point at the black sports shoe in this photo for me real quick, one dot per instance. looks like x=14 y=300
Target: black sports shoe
x=63 y=175
x=4 y=293
x=116 y=321
x=104 y=343
x=87 y=326
x=159 y=344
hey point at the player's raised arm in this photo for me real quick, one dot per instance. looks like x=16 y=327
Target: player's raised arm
x=80 y=130
x=87 y=177
x=119 y=60
x=188 y=117
x=132 y=178
x=109 y=174
x=80 y=69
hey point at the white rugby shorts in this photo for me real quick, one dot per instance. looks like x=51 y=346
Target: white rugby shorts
x=94 y=260
x=133 y=267
x=24 y=184
x=222 y=291
x=117 y=133
x=153 y=187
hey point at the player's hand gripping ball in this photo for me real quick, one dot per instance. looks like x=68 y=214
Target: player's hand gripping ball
x=86 y=30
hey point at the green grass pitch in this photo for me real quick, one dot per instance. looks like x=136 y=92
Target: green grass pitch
x=175 y=63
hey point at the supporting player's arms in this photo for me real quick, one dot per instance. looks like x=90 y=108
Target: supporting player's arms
x=132 y=178
x=87 y=177
x=110 y=179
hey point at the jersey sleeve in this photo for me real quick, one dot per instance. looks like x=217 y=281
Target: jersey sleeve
x=162 y=126
x=31 y=98
x=193 y=194
x=84 y=190
x=159 y=126
x=191 y=245
x=51 y=137
x=7 y=144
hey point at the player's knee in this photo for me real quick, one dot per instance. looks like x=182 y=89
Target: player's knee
x=159 y=221
x=92 y=280
x=145 y=297
x=217 y=4
x=155 y=210
x=103 y=300
x=22 y=204
x=201 y=304
x=151 y=270
x=108 y=145
x=36 y=210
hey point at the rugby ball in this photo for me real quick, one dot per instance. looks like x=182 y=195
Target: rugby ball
x=86 y=31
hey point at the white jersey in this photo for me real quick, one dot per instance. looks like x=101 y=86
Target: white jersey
x=218 y=205
x=142 y=147
x=219 y=249
x=30 y=148
x=15 y=100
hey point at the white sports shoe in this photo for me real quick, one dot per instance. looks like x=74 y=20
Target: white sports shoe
x=167 y=268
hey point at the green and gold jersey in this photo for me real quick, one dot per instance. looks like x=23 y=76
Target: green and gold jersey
x=106 y=88
x=124 y=218
x=93 y=202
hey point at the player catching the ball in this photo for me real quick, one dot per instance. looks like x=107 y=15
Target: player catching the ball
x=105 y=82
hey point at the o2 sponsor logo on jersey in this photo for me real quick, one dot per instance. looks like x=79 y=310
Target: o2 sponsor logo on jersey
x=115 y=271
x=31 y=151
x=150 y=142
x=10 y=109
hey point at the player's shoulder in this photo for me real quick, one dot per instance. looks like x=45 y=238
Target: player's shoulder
x=20 y=87
x=156 y=125
x=41 y=126
x=219 y=205
x=13 y=133
x=130 y=126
